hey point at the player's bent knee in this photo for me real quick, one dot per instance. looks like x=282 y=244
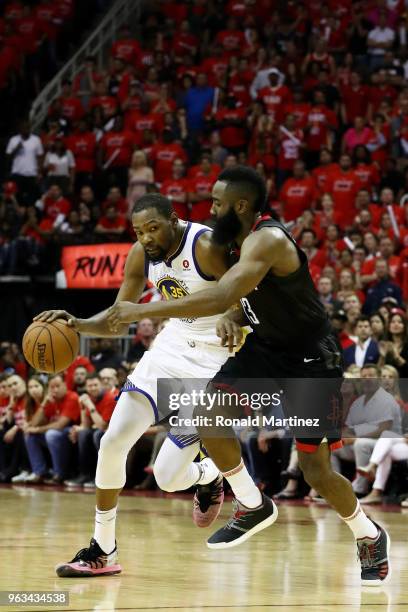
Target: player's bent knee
x=315 y=470
x=165 y=479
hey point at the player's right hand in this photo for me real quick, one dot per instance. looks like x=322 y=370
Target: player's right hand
x=48 y=316
x=230 y=333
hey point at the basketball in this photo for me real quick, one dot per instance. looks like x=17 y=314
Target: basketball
x=50 y=347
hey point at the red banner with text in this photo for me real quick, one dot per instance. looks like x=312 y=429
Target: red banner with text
x=93 y=266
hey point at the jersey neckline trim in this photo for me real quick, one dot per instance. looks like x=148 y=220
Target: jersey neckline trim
x=180 y=246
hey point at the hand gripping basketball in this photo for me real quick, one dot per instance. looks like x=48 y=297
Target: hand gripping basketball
x=48 y=316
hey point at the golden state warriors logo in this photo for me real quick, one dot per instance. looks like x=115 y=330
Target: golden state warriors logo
x=171 y=288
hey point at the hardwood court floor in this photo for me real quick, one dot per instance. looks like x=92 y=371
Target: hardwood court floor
x=306 y=562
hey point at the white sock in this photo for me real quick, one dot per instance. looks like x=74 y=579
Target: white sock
x=360 y=524
x=209 y=471
x=105 y=522
x=244 y=488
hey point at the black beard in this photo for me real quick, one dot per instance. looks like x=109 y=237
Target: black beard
x=226 y=228
x=161 y=256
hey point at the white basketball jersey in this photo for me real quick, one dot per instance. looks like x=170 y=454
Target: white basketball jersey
x=180 y=275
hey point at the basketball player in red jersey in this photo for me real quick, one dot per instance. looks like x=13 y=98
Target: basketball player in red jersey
x=291 y=338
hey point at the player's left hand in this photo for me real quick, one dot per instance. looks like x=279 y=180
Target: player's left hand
x=122 y=312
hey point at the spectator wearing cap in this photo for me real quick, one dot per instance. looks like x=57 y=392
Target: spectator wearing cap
x=25 y=153
x=365 y=350
x=383 y=287
x=50 y=428
x=97 y=405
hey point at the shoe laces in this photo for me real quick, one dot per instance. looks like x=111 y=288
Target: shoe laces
x=239 y=513
x=208 y=496
x=92 y=553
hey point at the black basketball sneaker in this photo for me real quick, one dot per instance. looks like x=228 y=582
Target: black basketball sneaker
x=373 y=554
x=90 y=562
x=244 y=523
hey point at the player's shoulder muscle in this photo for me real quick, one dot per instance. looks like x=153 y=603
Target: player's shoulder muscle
x=211 y=258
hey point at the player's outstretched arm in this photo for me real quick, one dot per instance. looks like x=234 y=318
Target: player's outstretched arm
x=258 y=254
x=130 y=291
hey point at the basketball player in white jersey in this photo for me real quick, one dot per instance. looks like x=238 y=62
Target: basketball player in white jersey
x=180 y=259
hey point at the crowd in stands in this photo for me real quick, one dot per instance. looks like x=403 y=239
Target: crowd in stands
x=314 y=96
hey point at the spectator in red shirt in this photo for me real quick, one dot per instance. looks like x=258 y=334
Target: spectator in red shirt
x=85 y=82
x=323 y=171
x=176 y=189
x=344 y=185
x=13 y=456
x=231 y=39
x=386 y=253
x=82 y=143
x=275 y=96
x=320 y=122
x=297 y=193
x=184 y=42
x=140 y=121
x=111 y=225
x=164 y=153
x=379 y=90
x=115 y=152
x=108 y=104
x=29 y=28
x=71 y=106
x=387 y=204
x=200 y=191
x=97 y=405
x=126 y=47
x=366 y=171
x=354 y=99
x=116 y=199
x=299 y=108
x=54 y=205
x=50 y=427
x=307 y=242
x=230 y=119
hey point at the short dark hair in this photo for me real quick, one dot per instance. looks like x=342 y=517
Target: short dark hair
x=154 y=200
x=371 y=366
x=92 y=376
x=249 y=182
x=364 y=319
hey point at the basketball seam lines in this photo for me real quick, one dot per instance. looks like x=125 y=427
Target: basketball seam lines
x=52 y=350
x=66 y=338
x=35 y=343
